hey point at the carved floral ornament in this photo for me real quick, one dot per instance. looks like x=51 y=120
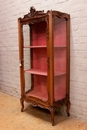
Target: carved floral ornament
x=33 y=13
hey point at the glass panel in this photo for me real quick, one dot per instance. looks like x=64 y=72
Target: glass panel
x=35 y=59
x=26 y=35
x=27 y=64
x=59 y=58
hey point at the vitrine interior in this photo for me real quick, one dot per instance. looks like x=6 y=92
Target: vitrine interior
x=38 y=56
x=44 y=58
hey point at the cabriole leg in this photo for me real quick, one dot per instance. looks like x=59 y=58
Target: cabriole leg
x=68 y=108
x=52 y=115
x=22 y=104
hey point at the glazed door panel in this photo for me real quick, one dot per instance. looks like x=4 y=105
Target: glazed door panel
x=37 y=49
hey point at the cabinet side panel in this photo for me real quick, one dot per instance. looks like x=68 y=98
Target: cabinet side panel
x=59 y=58
x=27 y=59
x=59 y=45
x=60 y=87
x=59 y=32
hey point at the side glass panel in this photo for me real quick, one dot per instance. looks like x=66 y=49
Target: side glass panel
x=27 y=64
x=59 y=58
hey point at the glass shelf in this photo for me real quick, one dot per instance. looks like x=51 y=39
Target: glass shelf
x=44 y=46
x=59 y=46
x=43 y=72
x=37 y=72
x=59 y=73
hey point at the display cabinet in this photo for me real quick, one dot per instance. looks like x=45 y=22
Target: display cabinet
x=48 y=44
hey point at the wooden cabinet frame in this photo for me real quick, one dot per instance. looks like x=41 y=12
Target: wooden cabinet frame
x=57 y=44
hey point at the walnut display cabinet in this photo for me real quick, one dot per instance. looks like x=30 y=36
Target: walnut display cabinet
x=49 y=59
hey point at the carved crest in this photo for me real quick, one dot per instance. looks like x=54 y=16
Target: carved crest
x=33 y=13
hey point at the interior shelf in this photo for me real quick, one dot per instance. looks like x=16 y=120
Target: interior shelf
x=37 y=72
x=38 y=94
x=42 y=46
x=59 y=46
x=43 y=72
x=59 y=73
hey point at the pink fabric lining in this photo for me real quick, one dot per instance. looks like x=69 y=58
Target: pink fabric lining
x=39 y=60
x=39 y=34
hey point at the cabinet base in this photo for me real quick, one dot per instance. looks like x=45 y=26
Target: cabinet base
x=50 y=108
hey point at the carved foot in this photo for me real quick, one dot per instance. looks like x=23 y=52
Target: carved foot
x=52 y=115
x=68 y=108
x=22 y=104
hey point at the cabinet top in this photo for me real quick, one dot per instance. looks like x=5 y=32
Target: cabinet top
x=38 y=14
